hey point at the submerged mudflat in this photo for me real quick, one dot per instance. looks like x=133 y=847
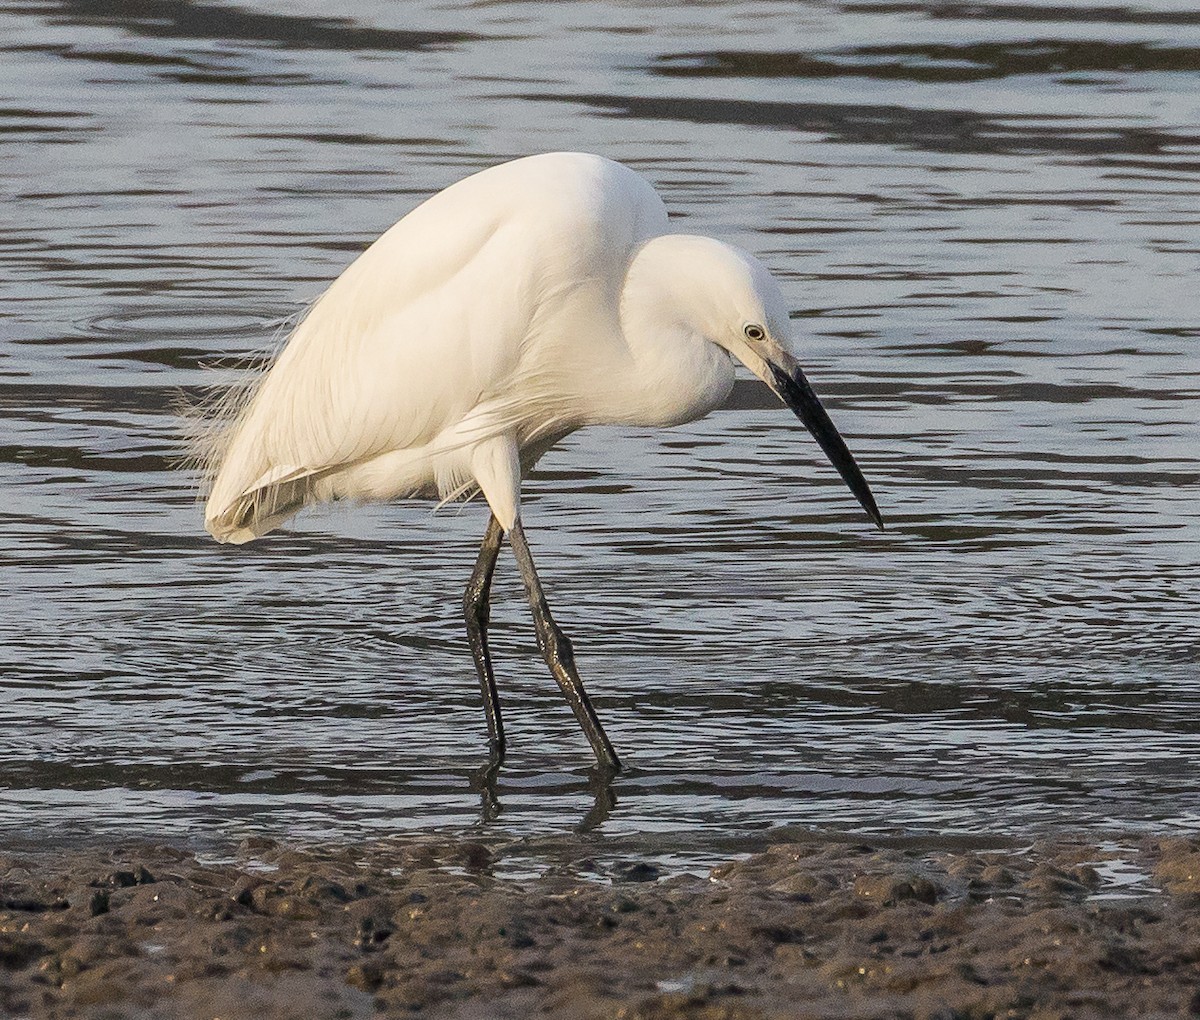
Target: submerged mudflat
x=434 y=926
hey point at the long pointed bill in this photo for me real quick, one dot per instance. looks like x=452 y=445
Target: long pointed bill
x=787 y=380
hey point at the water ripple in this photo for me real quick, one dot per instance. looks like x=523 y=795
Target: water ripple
x=983 y=216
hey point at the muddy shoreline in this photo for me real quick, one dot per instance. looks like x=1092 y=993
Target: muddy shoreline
x=435 y=927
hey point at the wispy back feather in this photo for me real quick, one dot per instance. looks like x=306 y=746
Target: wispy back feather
x=210 y=419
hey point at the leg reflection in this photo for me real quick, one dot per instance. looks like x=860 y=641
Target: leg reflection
x=600 y=780
x=489 y=798
x=485 y=781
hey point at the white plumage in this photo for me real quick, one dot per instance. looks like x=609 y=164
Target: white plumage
x=520 y=304
x=488 y=318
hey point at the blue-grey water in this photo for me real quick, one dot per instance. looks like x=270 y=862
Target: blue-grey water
x=986 y=218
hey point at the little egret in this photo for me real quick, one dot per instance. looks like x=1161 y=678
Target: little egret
x=522 y=303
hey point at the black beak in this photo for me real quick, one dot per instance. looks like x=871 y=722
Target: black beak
x=793 y=389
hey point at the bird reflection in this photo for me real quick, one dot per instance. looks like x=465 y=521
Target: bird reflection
x=489 y=798
x=600 y=786
x=600 y=782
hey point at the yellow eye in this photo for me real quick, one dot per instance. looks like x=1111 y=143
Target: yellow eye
x=754 y=332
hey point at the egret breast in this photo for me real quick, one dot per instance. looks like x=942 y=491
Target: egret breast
x=686 y=380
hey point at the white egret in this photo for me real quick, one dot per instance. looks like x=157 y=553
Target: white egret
x=522 y=303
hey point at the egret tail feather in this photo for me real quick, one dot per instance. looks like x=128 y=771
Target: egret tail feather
x=262 y=509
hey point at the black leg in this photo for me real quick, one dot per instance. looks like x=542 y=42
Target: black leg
x=477 y=611
x=556 y=650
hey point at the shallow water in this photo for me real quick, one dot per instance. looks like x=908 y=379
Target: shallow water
x=985 y=217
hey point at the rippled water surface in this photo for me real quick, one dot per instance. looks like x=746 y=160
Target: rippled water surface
x=986 y=218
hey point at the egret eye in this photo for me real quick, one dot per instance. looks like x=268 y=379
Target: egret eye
x=754 y=332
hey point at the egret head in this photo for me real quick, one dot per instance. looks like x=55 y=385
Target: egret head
x=727 y=297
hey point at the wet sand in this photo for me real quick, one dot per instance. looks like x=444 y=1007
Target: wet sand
x=443 y=927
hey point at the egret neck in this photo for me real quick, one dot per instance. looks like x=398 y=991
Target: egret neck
x=675 y=317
